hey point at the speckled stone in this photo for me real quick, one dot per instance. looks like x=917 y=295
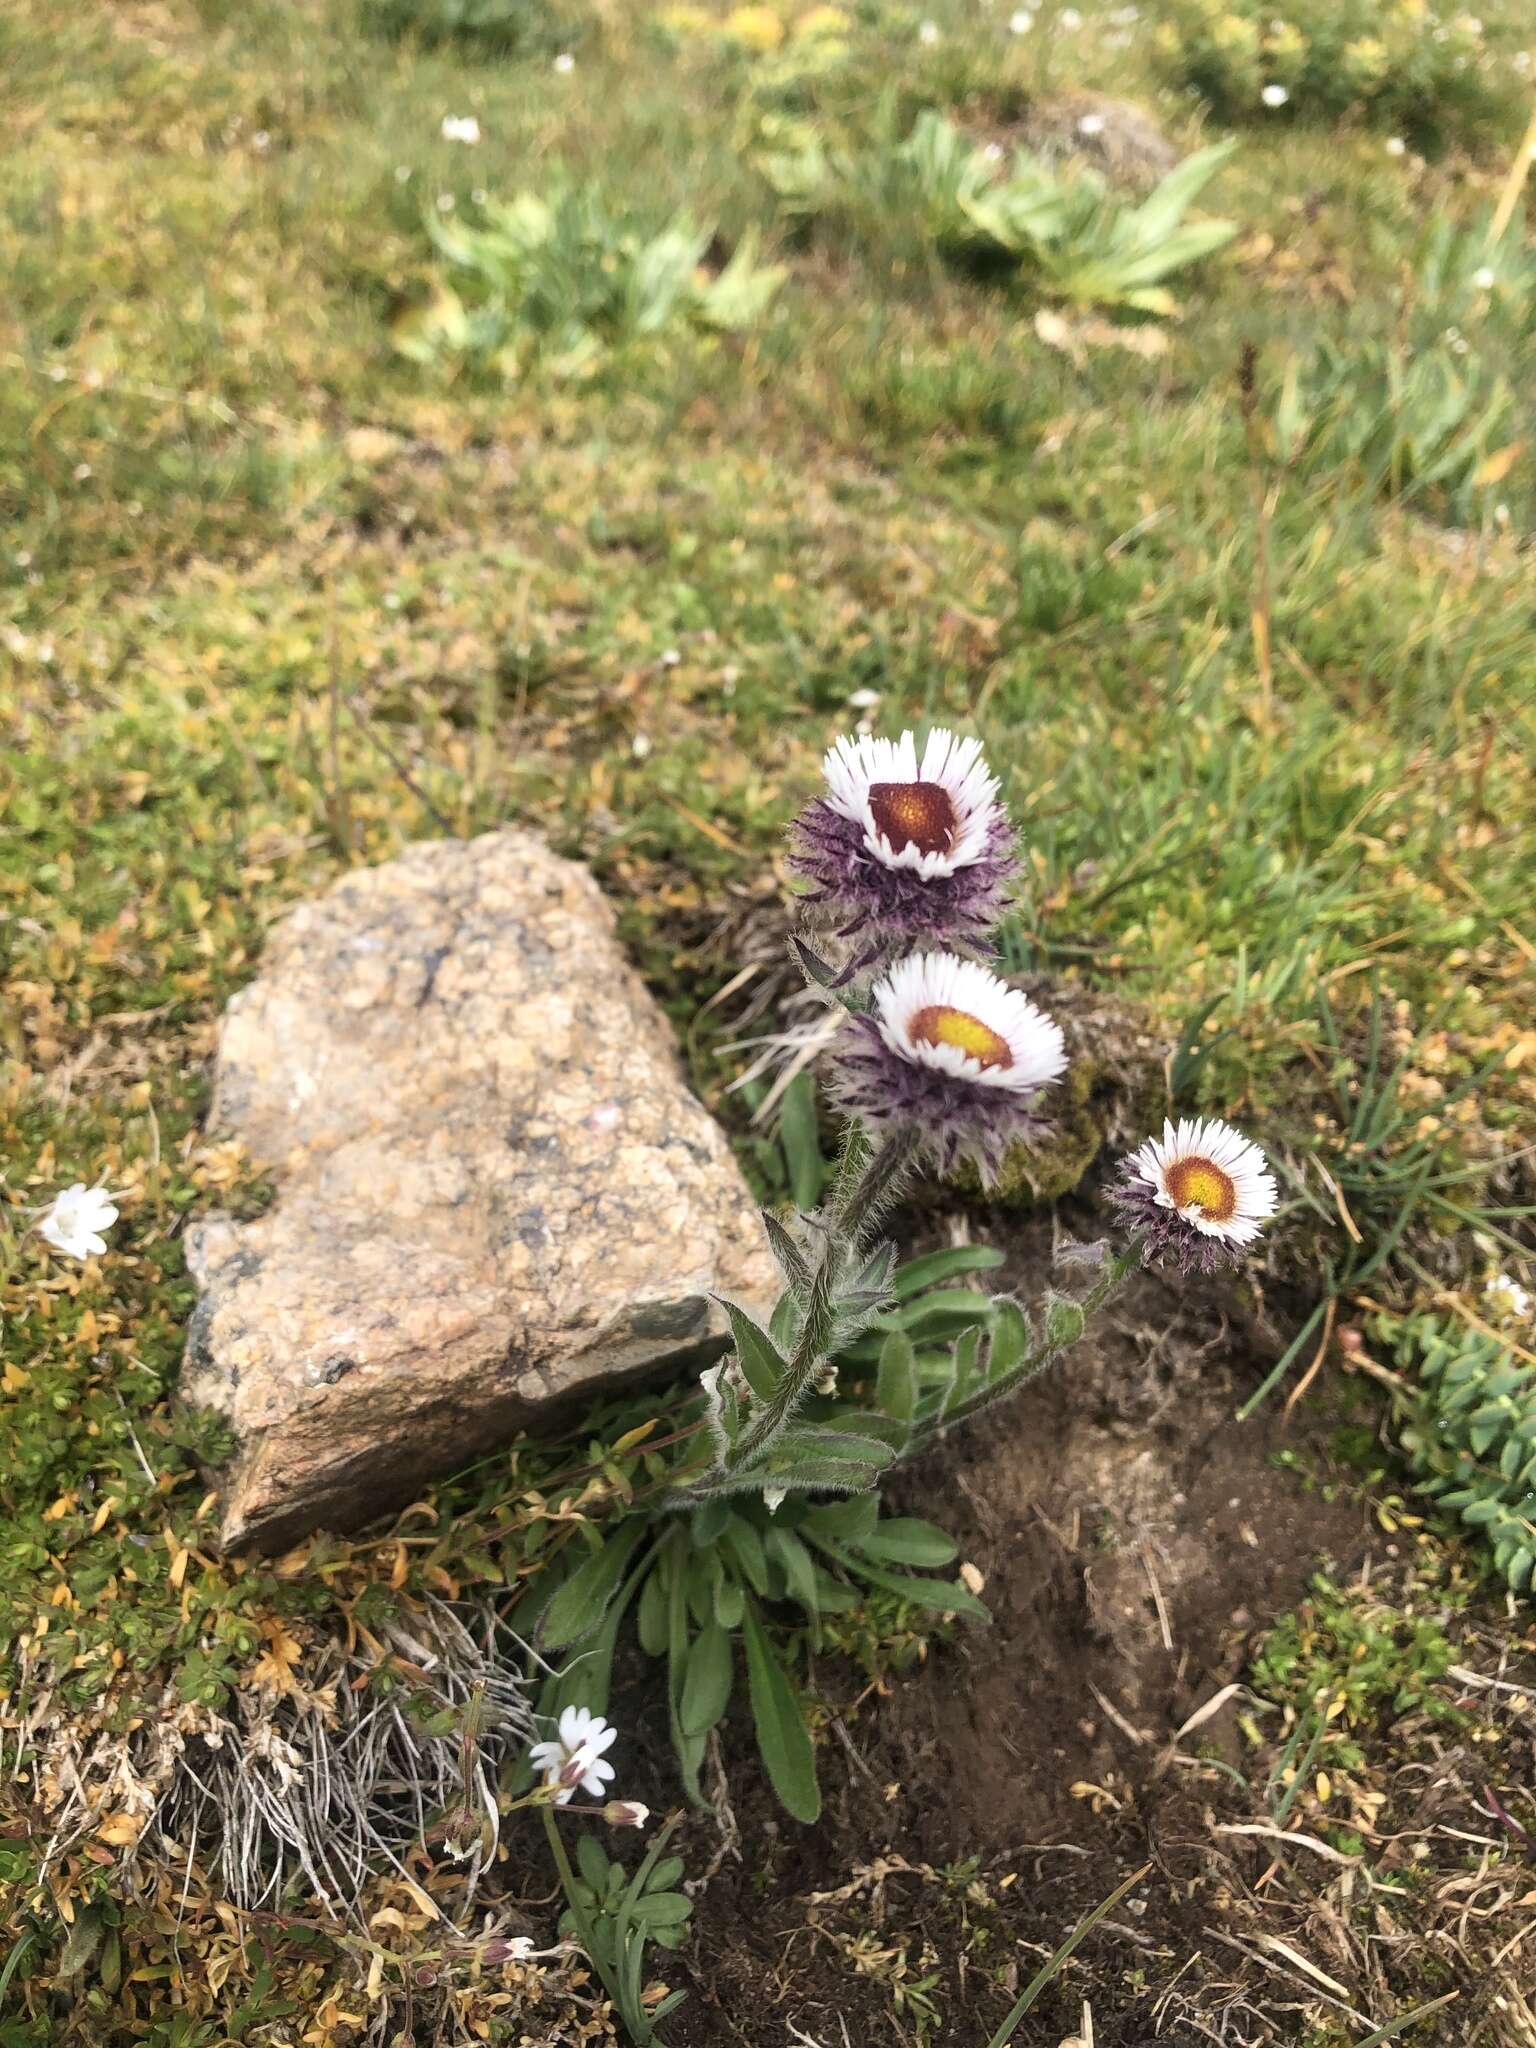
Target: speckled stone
x=495 y=1196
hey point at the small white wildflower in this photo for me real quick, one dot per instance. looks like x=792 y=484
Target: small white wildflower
x=670 y=658
x=261 y=142
x=774 y=1498
x=1501 y=515
x=23 y=558
x=76 y=1218
x=93 y=380
x=57 y=374
x=518 y=1948
x=460 y=128
x=1396 y=146
x=1522 y=62
x=640 y=745
x=445 y=202
x=866 y=700
x=82 y=472
x=1483 y=279
x=1091 y=124
x=929 y=32
x=1070 y=20
x=565 y=62
x=45 y=652
x=1021 y=23
x=1509 y=1295
x=402 y=174
x=994 y=155
x=574 y=1758
x=479 y=195
x=1274 y=95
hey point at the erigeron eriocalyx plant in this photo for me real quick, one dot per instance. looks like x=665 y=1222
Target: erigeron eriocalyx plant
x=908 y=856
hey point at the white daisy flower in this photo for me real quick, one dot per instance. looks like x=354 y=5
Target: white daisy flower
x=76 y=1218
x=460 y=128
x=1091 y=124
x=928 y=32
x=957 y=1017
x=574 y=1760
x=1069 y=19
x=1395 y=146
x=1274 y=95
x=1483 y=279
x=932 y=812
x=1211 y=1177
x=565 y=62
x=1021 y=23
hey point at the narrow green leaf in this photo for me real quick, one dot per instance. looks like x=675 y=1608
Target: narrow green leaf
x=707 y=1687
x=904 y=1541
x=896 y=1381
x=800 y=1136
x=782 y=1737
x=935 y=1267
x=755 y=1351
x=578 y=1608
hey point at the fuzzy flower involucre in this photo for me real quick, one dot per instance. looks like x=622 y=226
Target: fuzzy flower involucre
x=574 y=1759
x=949 y=1047
x=907 y=845
x=1201 y=1193
x=76 y=1219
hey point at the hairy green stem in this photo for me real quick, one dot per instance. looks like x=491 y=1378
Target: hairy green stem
x=864 y=1184
x=1118 y=1268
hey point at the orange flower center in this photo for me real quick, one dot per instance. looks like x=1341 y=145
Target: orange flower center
x=1200 y=1184
x=938 y=1024
x=918 y=814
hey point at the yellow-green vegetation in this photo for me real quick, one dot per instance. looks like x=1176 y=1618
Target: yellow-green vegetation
x=1239 y=600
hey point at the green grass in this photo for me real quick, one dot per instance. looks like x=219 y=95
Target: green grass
x=273 y=600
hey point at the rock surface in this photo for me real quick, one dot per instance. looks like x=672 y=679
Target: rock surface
x=1116 y=136
x=495 y=1195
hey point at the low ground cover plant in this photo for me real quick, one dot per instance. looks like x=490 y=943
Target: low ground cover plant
x=1429 y=73
x=562 y=280
x=1061 y=233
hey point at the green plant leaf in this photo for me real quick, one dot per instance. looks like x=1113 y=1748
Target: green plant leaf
x=755 y=1352
x=579 y=1606
x=934 y=1268
x=707 y=1686
x=800 y=1135
x=782 y=1737
x=902 y=1540
x=896 y=1380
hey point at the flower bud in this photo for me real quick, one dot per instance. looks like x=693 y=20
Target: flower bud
x=626 y=1813
x=1063 y=1323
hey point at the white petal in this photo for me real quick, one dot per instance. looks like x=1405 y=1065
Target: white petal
x=1037 y=1051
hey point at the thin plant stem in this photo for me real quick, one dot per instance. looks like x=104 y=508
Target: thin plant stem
x=1118 y=1268
x=1048 y=1970
x=579 y=1912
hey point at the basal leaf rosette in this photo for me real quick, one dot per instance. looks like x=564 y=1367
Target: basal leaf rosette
x=907 y=845
x=947 y=1049
x=1200 y=1195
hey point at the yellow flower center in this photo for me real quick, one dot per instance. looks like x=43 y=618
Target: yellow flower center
x=918 y=814
x=938 y=1024
x=1200 y=1184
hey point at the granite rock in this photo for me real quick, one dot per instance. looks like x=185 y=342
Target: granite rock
x=495 y=1196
